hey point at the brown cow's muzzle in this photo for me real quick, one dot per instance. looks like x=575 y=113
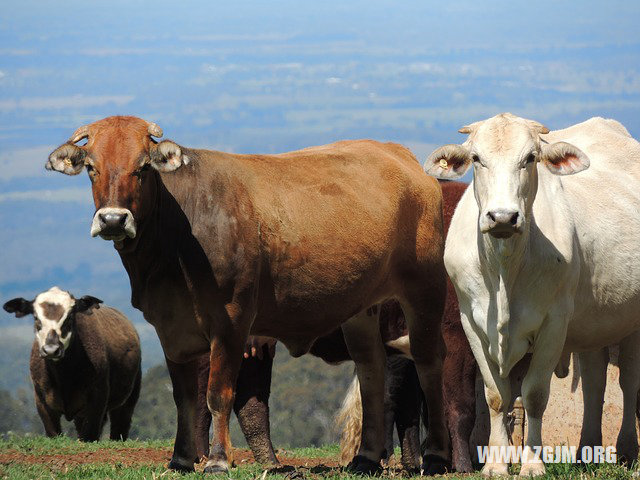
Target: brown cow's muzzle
x=113 y=223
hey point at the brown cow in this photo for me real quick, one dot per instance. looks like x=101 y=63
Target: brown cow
x=290 y=246
x=85 y=363
x=254 y=381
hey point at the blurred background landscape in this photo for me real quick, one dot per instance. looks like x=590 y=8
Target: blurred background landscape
x=254 y=76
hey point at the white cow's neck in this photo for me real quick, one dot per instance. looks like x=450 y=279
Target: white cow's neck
x=505 y=258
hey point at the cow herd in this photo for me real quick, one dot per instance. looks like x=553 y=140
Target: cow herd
x=339 y=250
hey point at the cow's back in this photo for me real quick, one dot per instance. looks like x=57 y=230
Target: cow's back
x=357 y=210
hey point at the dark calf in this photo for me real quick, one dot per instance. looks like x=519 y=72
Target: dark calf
x=85 y=363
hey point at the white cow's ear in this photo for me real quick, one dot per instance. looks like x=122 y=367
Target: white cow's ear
x=167 y=156
x=448 y=162
x=67 y=158
x=562 y=158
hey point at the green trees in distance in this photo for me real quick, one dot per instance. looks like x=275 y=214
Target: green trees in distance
x=305 y=395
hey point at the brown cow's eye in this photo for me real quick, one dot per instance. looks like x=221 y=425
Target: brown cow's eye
x=138 y=173
x=38 y=324
x=91 y=171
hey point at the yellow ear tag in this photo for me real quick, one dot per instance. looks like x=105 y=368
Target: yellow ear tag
x=443 y=163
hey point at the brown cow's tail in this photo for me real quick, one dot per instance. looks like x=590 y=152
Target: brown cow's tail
x=349 y=421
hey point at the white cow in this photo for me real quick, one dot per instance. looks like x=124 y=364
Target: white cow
x=547 y=264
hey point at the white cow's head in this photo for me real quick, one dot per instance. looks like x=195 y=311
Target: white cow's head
x=54 y=313
x=504 y=151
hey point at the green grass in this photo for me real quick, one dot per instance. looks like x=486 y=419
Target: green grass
x=36 y=445
x=39 y=445
x=332 y=451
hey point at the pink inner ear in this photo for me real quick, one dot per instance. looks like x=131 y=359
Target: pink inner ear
x=570 y=159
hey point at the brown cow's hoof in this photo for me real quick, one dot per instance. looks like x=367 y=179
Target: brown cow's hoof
x=216 y=466
x=435 y=465
x=361 y=465
x=178 y=466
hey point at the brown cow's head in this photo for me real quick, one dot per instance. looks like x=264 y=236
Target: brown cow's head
x=54 y=313
x=118 y=156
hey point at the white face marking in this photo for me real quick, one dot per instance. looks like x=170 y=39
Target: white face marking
x=53 y=296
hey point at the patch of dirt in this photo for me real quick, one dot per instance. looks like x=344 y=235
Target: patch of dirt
x=129 y=457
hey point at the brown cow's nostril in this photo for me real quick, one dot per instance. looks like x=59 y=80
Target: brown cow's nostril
x=113 y=220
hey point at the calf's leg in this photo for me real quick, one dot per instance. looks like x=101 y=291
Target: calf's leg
x=362 y=336
x=185 y=387
x=121 y=417
x=406 y=400
x=50 y=419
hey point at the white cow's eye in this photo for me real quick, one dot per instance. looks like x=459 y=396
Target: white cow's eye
x=476 y=158
x=531 y=158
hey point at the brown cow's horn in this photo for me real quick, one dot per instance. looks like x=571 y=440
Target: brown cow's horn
x=154 y=130
x=79 y=134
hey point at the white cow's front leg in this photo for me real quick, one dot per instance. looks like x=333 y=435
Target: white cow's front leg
x=629 y=361
x=535 y=389
x=498 y=395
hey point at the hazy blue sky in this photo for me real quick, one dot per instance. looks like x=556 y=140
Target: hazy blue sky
x=252 y=76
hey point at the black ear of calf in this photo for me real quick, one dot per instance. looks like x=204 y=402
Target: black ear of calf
x=87 y=303
x=19 y=306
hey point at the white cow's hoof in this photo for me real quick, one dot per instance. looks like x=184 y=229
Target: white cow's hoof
x=495 y=469
x=533 y=469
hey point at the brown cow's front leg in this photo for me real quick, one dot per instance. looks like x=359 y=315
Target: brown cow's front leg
x=423 y=312
x=252 y=405
x=203 y=415
x=362 y=335
x=185 y=389
x=226 y=357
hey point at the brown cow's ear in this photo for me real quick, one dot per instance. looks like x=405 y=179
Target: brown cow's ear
x=167 y=156
x=19 y=306
x=67 y=158
x=86 y=303
x=448 y=162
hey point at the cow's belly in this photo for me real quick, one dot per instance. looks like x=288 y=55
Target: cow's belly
x=595 y=328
